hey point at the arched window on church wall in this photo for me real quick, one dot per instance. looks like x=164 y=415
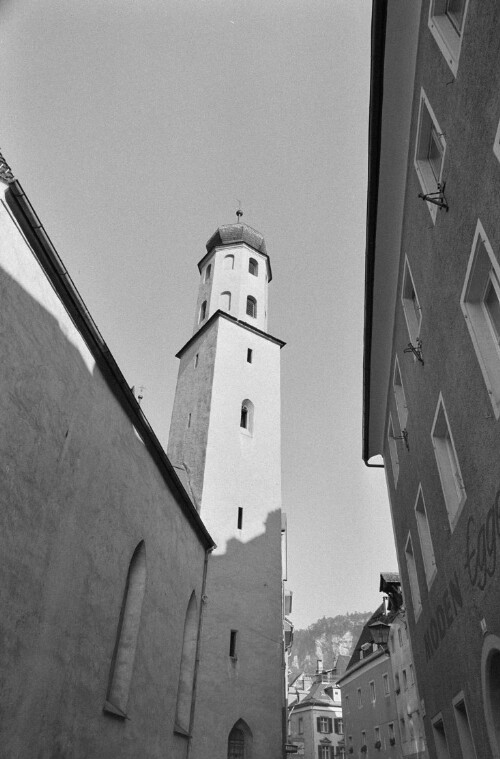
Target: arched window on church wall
x=186 y=672
x=128 y=631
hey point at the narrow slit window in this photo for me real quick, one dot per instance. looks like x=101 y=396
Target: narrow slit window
x=203 y=311
x=249 y=355
x=251 y=307
x=232 y=644
x=240 y=518
x=208 y=272
x=189 y=420
x=196 y=360
x=247 y=416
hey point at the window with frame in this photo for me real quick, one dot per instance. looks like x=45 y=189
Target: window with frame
x=446 y=23
x=440 y=740
x=360 y=699
x=339 y=725
x=247 y=416
x=385 y=680
x=399 y=396
x=300 y=728
x=402 y=728
x=251 y=307
x=392 y=736
x=447 y=464
x=373 y=696
x=424 y=534
x=377 y=737
x=480 y=303
x=411 y=305
x=463 y=727
x=208 y=272
x=393 y=451
x=229 y=262
x=363 y=737
x=412 y=577
x=430 y=150
x=325 y=752
x=405 y=680
x=324 y=724
x=253 y=267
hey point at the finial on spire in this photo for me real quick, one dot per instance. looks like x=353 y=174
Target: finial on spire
x=239 y=212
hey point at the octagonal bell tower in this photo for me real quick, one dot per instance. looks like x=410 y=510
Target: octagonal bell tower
x=225 y=438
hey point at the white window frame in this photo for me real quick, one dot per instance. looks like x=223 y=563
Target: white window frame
x=373 y=694
x=393 y=450
x=411 y=566
x=496 y=144
x=428 y=127
x=482 y=269
x=424 y=534
x=446 y=32
x=448 y=465
x=387 y=690
x=464 y=726
x=411 y=305
x=399 y=395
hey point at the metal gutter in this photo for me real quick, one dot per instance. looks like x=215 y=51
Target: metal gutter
x=63 y=284
x=378 y=30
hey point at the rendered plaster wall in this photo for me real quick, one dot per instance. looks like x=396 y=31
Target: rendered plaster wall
x=379 y=713
x=462 y=602
x=79 y=491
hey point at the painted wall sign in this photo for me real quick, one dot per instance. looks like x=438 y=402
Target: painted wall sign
x=443 y=617
x=481 y=549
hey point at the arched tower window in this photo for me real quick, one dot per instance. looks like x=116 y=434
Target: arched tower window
x=208 y=272
x=203 y=311
x=251 y=307
x=186 y=672
x=128 y=631
x=225 y=301
x=229 y=262
x=239 y=742
x=253 y=267
x=246 y=416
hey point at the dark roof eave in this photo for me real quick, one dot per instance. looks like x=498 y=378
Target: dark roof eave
x=63 y=284
x=378 y=30
x=230 y=318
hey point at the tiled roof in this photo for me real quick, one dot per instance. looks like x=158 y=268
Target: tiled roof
x=365 y=636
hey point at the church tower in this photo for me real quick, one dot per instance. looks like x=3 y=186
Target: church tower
x=225 y=435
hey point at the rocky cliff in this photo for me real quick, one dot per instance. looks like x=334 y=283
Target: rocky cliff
x=326 y=639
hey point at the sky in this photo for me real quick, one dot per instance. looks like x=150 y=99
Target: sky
x=135 y=128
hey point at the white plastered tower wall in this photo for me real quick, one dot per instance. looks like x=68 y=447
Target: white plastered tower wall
x=235 y=477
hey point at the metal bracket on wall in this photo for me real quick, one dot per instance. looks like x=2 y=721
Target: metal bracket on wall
x=404 y=436
x=437 y=198
x=417 y=351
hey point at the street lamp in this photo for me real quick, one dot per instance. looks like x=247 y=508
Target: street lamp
x=380 y=632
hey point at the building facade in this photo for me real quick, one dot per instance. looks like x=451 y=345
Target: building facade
x=369 y=698
x=432 y=357
x=103 y=554
x=315 y=724
x=225 y=435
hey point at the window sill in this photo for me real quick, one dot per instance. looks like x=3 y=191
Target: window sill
x=114 y=711
x=178 y=730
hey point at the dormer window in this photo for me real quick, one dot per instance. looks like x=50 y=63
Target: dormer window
x=251 y=307
x=253 y=267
